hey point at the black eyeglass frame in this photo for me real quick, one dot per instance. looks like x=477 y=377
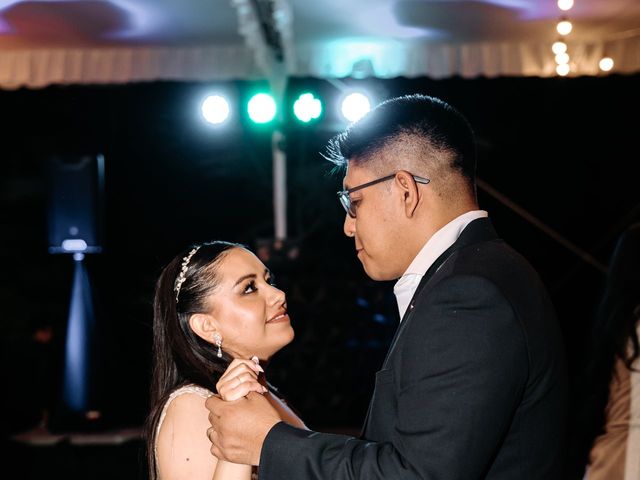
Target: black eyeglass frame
x=345 y=199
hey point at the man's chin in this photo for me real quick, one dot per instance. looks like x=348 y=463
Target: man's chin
x=376 y=274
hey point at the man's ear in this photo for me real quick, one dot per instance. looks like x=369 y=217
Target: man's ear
x=410 y=193
x=203 y=325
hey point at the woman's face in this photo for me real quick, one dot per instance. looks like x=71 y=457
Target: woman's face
x=249 y=311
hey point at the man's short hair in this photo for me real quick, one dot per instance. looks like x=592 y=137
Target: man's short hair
x=426 y=120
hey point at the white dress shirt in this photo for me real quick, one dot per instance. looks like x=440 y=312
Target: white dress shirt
x=406 y=286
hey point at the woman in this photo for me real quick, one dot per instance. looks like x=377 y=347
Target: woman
x=611 y=419
x=215 y=308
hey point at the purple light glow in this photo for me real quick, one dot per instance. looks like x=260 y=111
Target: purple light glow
x=112 y=19
x=5 y=28
x=141 y=20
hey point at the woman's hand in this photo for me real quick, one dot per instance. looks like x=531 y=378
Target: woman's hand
x=240 y=378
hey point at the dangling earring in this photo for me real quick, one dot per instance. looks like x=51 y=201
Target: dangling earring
x=218 y=339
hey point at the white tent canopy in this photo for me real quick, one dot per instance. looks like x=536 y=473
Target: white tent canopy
x=113 y=41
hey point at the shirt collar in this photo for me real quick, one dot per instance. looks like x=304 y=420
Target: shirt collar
x=440 y=241
x=406 y=285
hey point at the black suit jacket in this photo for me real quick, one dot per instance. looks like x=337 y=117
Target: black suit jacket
x=473 y=386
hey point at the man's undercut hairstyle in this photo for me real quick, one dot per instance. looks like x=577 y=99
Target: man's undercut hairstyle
x=431 y=123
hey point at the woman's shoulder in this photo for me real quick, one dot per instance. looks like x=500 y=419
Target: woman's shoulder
x=186 y=406
x=186 y=398
x=182 y=443
x=189 y=400
x=192 y=389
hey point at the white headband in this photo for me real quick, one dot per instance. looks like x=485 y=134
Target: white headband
x=182 y=277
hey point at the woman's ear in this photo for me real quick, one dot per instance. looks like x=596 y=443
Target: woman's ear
x=203 y=325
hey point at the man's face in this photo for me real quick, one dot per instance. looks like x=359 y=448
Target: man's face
x=376 y=229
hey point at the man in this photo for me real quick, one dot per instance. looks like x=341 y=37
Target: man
x=473 y=385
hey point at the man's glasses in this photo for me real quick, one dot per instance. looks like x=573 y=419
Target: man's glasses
x=345 y=199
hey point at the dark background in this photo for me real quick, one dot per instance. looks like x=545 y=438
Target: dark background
x=565 y=149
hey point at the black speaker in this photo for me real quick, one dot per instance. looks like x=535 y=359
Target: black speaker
x=76 y=203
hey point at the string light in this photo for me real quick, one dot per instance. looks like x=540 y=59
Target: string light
x=564 y=27
x=559 y=47
x=565 y=4
x=606 y=64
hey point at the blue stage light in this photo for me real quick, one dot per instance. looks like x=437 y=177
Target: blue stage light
x=79 y=333
x=74 y=245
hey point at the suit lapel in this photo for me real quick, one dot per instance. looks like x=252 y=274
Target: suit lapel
x=480 y=230
x=423 y=282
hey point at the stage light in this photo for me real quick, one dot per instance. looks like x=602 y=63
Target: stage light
x=215 y=109
x=559 y=47
x=562 y=58
x=262 y=108
x=77 y=368
x=565 y=4
x=355 y=106
x=606 y=64
x=563 y=69
x=307 y=107
x=74 y=245
x=564 y=27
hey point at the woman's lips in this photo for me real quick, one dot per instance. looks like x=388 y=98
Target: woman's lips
x=283 y=317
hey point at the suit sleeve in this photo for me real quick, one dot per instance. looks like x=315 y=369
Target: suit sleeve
x=463 y=370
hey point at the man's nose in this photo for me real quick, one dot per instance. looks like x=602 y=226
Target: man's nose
x=349 y=226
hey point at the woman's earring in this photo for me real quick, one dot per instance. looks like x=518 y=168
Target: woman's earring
x=218 y=339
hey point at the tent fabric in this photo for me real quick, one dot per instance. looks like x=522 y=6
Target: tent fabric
x=39 y=68
x=42 y=67
x=120 y=41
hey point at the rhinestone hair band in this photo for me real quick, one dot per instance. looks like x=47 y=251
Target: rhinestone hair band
x=183 y=271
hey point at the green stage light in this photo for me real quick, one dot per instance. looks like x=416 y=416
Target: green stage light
x=307 y=107
x=262 y=108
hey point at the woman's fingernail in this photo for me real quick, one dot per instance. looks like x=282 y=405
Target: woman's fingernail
x=256 y=360
x=265 y=389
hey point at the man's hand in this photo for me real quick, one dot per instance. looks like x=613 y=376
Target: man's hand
x=238 y=428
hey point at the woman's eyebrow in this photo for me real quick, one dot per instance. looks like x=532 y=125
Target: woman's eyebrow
x=267 y=272
x=244 y=277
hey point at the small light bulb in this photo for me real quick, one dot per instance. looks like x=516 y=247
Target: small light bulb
x=606 y=64
x=564 y=27
x=563 y=69
x=565 y=4
x=562 y=58
x=559 y=47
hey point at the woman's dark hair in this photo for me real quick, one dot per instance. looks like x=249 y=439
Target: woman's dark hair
x=614 y=338
x=181 y=357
